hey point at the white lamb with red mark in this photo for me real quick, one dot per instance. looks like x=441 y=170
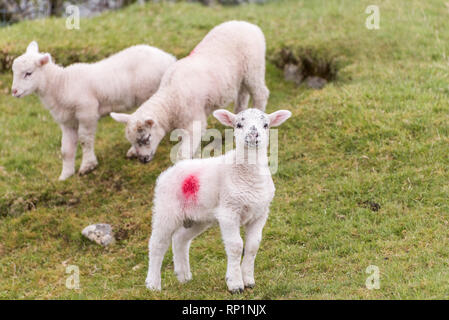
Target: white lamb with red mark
x=234 y=189
x=227 y=65
x=78 y=95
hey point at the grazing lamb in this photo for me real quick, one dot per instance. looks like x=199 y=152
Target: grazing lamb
x=78 y=95
x=231 y=189
x=227 y=65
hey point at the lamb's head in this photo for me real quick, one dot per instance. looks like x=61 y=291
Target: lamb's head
x=143 y=134
x=27 y=71
x=251 y=126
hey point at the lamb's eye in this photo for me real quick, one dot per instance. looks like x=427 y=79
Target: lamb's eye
x=28 y=74
x=265 y=125
x=239 y=125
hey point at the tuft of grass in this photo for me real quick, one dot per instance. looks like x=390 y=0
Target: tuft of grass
x=375 y=138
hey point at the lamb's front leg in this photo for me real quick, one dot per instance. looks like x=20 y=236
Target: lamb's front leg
x=191 y=139
x=253 y=237
x=86 y=133
x=230 y=232
x=131 y=154
x=68 y=150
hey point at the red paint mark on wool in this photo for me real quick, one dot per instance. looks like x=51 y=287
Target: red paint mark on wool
x=192 y=52
x=190 y=187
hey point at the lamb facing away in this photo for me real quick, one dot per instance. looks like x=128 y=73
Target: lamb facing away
x=231 y=189
x=78 y=95
x=227 y=65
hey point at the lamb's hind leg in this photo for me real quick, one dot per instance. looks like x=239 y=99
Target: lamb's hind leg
x=253 y=237
x=260 y=94
x=255 y=82
x=86 y=133
x=68 y=150
x=181 y=241
x=242 y=100
x=158 y=245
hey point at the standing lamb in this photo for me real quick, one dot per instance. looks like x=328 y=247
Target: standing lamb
x=227 y=65
x=234 y=189
x=78 y=95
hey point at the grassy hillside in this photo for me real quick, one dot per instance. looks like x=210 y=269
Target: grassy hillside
x=376 y=137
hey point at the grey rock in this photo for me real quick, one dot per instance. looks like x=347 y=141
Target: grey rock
x=293 y=73
x=205 y=2
x=316 y=82
x=100 y=233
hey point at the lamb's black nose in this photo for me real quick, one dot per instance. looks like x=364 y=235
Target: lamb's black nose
x=145 y=159
x=253 y=134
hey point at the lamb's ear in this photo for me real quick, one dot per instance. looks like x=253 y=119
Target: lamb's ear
x=278 y=117
x=32 y=47
x=120 y=117
x=225 y=117
x=149 y=122
x=43 y=60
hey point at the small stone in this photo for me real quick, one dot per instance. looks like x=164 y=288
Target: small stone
x=100 y=233
x=316 y=82
x=137 y=267
x=208 y=2
x=73 y=201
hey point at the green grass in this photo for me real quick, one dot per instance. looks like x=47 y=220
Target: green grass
x=379 y=133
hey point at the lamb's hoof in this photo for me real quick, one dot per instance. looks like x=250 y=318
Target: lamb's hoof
x=152 y=286
x=235 y=286
x=249 y=282
x=65 y=176
x=236 y=291
x=183 y=277
x=85 y=169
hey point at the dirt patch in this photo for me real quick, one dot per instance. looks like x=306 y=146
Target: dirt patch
x=6 y=60
x=16 y=205
x=125 y=231
x=111 y=183
x=308 y=66
x=373 y=206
